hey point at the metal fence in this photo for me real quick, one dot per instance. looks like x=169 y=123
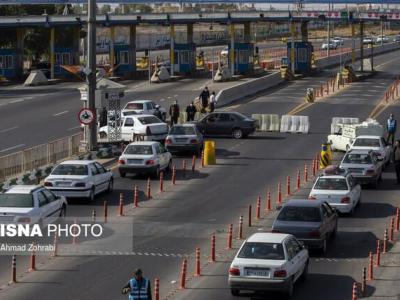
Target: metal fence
x=27 y=160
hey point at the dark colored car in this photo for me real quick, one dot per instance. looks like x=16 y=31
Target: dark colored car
x=232 y=124
x=310 y=221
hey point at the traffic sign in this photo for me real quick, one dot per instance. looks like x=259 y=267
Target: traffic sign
x=86 y=116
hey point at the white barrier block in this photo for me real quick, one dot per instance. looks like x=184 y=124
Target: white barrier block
x=295 y=124
x=304 y=124
x=258 y=119
x=274 y=123
x=341 y=120
x=265 y=122
x=286 y=123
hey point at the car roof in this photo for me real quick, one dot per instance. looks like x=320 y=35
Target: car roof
x=184 y=125
x=23 y=189
x=267 y=237
x=303 y=203
x=144 y=143
x=77 y=162
x=368 y=137
x=140 y=101
x=139 y=116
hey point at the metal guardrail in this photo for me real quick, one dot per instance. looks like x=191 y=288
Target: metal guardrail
x=14 y=164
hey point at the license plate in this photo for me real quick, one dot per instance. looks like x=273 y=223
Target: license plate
x=181 y=140
x=356 y=170
x=134 y=161
x=63 y=183
x=6 y=218
x=257 y=273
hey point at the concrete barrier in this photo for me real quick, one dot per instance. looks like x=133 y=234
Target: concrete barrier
x=341 y=120
x=266 y=122
x=245 y=89
x=295 y=124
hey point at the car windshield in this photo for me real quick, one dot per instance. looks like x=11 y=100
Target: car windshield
x=271 y=251
x=366 y=142
x=363 y=159
x=68 y=169
x=182 y=130
x=134 y=105
x=139 y=149
x=300 y=214
x=339 y=184
x=149 y=120
x=16 y=200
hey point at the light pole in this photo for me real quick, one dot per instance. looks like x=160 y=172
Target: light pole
x=91 y=71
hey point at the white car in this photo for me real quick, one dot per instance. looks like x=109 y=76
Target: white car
x=268 y=261
x=149 y=127
x=338 y=41
x=143 y=107
x=332 y=46
x=79 y=179
x=383 y=39
x=375 y=143
x=31 y=204
x=368 y=40
x=144 y=158
x=339 y=189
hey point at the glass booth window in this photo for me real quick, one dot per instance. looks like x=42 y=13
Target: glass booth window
x=6 y=62
x=243 y=57
x=123 y=57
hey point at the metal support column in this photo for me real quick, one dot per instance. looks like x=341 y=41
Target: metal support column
x=247 y=32
x=189 y=33
x=112 y=50
x=381 y=32
x=328 y=49
x=361 y=46
x=304 y=31
x=172 y=49
x=132 y=49
x=91 y=70
x=20 y=52
x=353 y=44
x=292 y=53
x=52 y=56
x=232 y=48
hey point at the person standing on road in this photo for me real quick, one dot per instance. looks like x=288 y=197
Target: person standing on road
x=157 y=112
x=174 y=112
x=205 y=94
x=138 y=287
x=213 y=101
x=397 y=160
x=391 y=129
x=103 y=117
x=191 y=112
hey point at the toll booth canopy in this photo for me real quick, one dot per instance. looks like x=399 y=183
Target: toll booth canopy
x=302 y=56
x=244 y=57
x=185 y=58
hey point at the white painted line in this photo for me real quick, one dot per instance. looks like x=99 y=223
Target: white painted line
x=73 y=128
x=12 y=148
x=8 y=129
x=60 y=113
x=16 y=101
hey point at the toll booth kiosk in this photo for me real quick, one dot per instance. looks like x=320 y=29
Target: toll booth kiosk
x=63 y=56
x=8 y=58
x=123 y=65
x=185 y=58
x=244 y=58
x=302 y=56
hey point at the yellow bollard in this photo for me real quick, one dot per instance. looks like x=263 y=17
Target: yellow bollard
x=209 y=153
x=326 y=156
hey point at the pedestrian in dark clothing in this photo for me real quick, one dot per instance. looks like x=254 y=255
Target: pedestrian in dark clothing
x=391 y=127
x=103 y=117
x=174 y=112
x=205 y=94
x=213 y=101
x=397 y=160
x=138 y=287
x=158 y=113
x=191 y=112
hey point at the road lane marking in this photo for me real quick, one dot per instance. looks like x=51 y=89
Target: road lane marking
x=8 y=129
x=16 y=101
x=60 y=113
x=12 y=148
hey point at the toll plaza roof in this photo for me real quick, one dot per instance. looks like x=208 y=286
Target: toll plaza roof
x=187 y=18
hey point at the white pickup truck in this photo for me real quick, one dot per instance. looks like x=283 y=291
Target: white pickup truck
x=345 y=134
x=149 y=127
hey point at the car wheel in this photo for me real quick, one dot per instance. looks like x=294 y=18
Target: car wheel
x=103 y=135
x=110 y=186
x=304 y=275
x=63 y=211
x=235 y=292
x=237 y=133
x=91 y=195
x=122 y=174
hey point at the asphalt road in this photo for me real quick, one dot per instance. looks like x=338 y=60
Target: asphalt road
x=36 y=115
x=175 y=222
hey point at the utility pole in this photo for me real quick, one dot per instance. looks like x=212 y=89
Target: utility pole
x=328 y=49
x=91 y=71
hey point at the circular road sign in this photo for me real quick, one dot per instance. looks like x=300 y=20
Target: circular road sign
x=86 y=116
